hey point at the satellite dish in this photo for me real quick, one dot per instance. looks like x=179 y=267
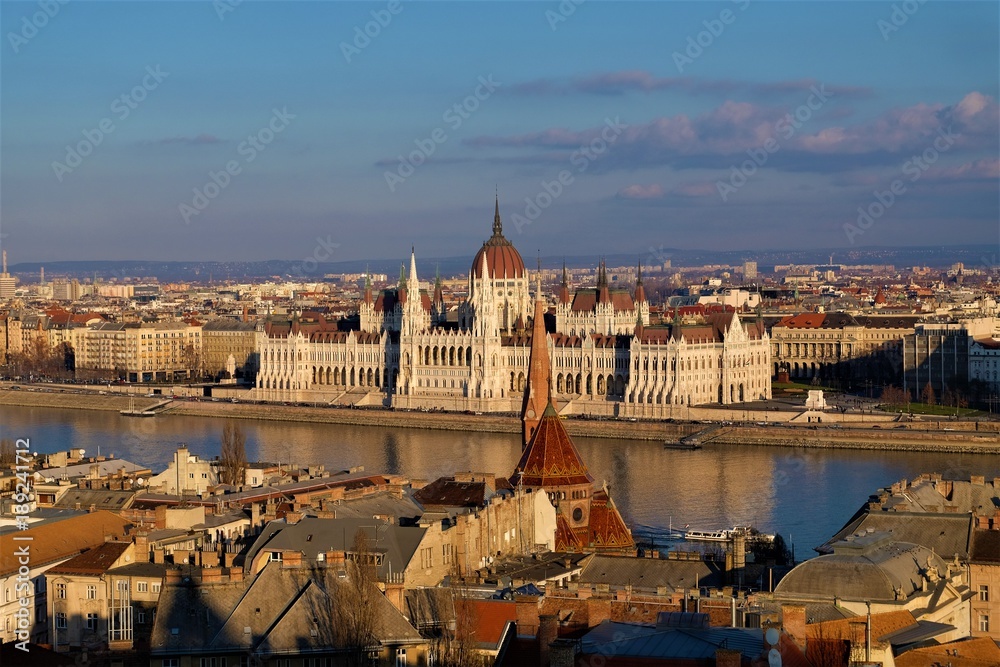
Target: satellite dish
x=773 y=658
x=772 y=636
x=139 y=481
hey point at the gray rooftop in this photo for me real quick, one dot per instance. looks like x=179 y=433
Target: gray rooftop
x=104 y=468
x=312 y=536
x=644 y=641
x=651 y=573
x=873 y=567
x=280 y=611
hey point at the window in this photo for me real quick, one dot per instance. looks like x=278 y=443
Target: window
x=61 y=620
x=170 y=662
x=156 y=586
x=61 y=591
x=91 y=592
x=91 y=621
x=984 y=623
x=275 y=556
x=141 y=586
x=984 y=593
x=212 y=662
x=140 y=616
x=400 y=657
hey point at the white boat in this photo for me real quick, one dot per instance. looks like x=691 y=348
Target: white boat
x=726 y=534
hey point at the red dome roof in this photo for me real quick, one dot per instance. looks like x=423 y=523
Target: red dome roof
x=502 y=258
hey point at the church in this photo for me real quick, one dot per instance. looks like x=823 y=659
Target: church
x=604 y=356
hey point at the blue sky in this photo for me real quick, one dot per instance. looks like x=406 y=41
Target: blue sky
x=669 y=144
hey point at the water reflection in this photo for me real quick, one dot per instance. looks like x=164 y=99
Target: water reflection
x=807 y=493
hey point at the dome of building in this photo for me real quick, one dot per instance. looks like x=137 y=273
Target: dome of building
x=869 y=567
x=502 y=258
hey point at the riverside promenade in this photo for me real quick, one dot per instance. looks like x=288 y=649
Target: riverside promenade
x=837 y=431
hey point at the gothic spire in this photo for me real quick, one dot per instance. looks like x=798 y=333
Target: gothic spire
x=497 y=225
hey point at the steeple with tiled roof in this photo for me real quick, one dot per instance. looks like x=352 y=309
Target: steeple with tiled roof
x=537 y=391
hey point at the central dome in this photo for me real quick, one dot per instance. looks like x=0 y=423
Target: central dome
x=502 y=258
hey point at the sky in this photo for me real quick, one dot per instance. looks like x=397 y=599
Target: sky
x=260 y=130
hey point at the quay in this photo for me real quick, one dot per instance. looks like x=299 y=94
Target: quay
x=886 y=434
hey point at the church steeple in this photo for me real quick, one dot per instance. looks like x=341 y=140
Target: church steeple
x=538 y=390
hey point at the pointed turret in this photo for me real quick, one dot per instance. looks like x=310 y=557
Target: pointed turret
x=603 y=293
x=537 y=391
x=401 y=285
x=564 y=287
x=368 y=289
x=413 y=266
x=640 y=292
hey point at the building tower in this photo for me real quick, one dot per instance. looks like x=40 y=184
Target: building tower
x=538 y=391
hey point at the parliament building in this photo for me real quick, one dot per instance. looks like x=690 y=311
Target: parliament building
x=604 y=356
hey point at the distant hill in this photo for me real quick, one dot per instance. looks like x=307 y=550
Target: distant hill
x=973 y=256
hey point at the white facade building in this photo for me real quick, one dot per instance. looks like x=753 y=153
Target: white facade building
x=605 y=358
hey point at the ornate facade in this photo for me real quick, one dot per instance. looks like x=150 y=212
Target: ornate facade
x=605 y=359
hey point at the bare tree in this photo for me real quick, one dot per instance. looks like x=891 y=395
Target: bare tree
x=457 y=647
x=927 y=395
x=8 y=455
x=233 y=461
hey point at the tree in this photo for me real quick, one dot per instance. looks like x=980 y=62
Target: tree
x=8 y=455
x=233 y=462
x=191 y=360
x=927 y=395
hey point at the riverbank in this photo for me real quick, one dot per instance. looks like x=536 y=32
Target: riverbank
x=957 y=437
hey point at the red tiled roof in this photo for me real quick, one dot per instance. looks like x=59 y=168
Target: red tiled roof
x=502 y=259
x=550 y=459
x=488 y=618
x=93 y=561
x=585 y=301
x=975 y=652
x=566 y=538
x=446 y=492
x=607 y=529
x=61 y=539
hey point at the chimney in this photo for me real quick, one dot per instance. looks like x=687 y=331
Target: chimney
x=793 y=621
x=394 y=593
x=141 y=540
x=563 y=653
x=548 y=631
x=291 y=560
x=726 y=657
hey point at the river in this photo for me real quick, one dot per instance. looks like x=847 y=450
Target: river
x=804 y=494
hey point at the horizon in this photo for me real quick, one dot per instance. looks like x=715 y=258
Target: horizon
x=270 y=127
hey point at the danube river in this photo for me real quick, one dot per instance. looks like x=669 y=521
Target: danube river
x=804 y=494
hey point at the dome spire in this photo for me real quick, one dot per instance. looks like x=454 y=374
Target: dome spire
x=497 y=225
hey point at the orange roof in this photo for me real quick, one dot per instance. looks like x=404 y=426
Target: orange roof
x=487 y=618
x=566 y=537
x=550 y=459
x=60 y=539
x=607 y=528
x=977 y=652
x=882 y=624
x=502 y=258
x=93 y=561
x=803 y=321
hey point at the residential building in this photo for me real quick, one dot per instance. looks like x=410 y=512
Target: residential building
x=222 y=339
x=45 y=546
x=104 y=598
x=984 y=577
x=288 y=611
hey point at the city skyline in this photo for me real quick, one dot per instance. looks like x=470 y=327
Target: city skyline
x=255 y=131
